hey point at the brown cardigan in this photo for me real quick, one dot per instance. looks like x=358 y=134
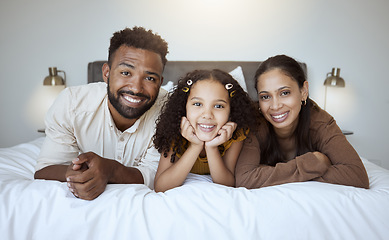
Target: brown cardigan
x=326 y=137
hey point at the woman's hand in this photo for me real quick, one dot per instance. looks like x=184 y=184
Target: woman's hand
x=188 y=132
x=224 y=134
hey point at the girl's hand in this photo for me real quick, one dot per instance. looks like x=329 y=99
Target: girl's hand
x=224 y=134
x=187 y=131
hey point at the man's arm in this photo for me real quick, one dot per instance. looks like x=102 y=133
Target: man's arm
x=53 y=172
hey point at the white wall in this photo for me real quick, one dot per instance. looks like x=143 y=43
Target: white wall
x=351 y=35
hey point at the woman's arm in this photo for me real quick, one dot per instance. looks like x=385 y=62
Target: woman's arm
x=347 y=167
x=250 y=173
x=329 y=142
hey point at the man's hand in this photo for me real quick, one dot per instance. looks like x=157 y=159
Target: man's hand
x=88 y=176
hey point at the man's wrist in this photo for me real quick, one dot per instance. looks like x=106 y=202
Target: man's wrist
x=120 y=174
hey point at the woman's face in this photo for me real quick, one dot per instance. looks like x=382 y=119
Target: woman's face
x=280 y=100
x=207 y=108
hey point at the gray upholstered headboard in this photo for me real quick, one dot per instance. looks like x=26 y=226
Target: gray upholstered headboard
x=174 y=70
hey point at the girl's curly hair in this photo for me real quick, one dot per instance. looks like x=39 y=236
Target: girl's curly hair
x=168 y=135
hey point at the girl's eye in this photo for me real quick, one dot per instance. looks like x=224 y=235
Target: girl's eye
x=219 y=106
x=197 y=104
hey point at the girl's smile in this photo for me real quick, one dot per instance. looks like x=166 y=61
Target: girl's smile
x=206 y=127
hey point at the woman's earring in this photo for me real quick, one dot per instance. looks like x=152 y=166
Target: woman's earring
x=304 y=102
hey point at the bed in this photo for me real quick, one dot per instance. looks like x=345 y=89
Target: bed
x=200 y=209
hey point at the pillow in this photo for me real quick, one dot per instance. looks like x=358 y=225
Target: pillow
x=237 y=74
x=169 y=86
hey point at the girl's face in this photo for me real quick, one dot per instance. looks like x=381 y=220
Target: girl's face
x=280 y=100
x=207 y=108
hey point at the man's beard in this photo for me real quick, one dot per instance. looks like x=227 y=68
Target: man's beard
x=125 y=111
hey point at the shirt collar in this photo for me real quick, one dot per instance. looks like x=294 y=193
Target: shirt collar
x=112 y=124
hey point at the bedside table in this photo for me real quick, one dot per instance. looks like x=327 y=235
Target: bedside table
x=346 y=132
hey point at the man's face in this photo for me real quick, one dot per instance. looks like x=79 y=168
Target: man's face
x=133 y=82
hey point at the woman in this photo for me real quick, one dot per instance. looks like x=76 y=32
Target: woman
x=297 y=141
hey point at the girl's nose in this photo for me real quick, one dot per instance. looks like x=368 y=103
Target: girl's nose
x=207 y=113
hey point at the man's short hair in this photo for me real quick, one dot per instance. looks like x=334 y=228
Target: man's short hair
x=138 y=37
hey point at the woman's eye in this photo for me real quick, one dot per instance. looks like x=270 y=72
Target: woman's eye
x=197 y=104
x=264 y=97
x=285 y=93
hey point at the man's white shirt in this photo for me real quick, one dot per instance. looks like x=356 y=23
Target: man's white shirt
x=79 y=121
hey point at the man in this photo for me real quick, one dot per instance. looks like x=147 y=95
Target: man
x=102 y=133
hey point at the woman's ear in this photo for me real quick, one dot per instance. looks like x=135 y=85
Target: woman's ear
x=105 y=71
x=305 y=90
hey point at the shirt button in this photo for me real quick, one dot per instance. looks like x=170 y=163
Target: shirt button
x=119 y=158
x=121 y=139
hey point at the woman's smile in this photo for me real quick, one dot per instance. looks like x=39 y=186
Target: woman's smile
x=279 y=117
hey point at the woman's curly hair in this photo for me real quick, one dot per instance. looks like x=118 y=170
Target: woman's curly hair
x=168 y=132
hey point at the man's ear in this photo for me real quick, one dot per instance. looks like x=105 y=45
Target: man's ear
x=161 y=81
x=105 y=71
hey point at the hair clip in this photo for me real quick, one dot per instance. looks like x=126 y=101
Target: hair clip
x=185 y=89
x=228 y=86
x=232 y=93
x=189 y=82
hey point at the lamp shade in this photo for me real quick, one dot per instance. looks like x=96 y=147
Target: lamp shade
x=333 y=79
x=43 y=97
x=54 y=79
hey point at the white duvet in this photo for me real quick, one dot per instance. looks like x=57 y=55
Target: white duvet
x=200 y=209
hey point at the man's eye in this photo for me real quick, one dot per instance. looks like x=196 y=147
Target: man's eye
x=150 y=79
x=125 y=73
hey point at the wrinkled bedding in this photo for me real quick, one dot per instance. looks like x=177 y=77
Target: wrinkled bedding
x=200 y=209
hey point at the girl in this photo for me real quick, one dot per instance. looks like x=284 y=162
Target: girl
x=296 y=140
x=201 y=128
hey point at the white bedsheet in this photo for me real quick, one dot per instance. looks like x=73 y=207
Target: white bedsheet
x=39 y=209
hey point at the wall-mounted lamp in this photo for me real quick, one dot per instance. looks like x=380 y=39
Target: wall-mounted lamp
x=44 y=96
x=53 y=79
x=333 y=79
